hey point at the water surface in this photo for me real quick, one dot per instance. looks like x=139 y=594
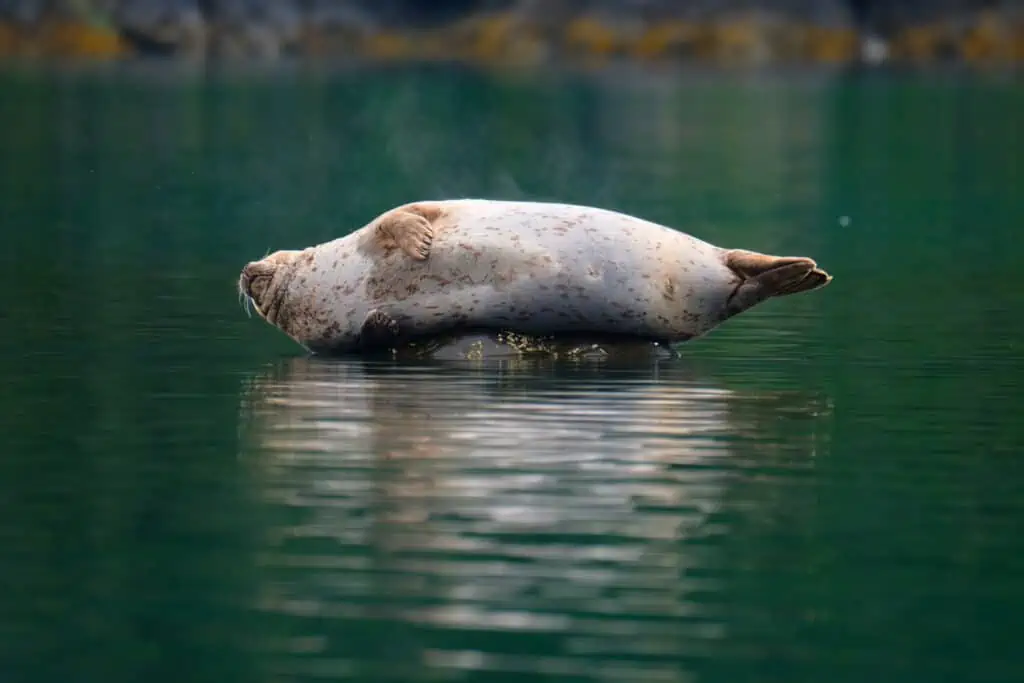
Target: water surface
x=826 y=488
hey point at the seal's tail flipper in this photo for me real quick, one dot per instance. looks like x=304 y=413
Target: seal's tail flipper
x=777 y=275
x=763 y=276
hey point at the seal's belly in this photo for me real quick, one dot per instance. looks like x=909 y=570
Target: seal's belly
x=580 y=271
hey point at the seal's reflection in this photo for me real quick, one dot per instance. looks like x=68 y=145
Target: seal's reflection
x=506 y=517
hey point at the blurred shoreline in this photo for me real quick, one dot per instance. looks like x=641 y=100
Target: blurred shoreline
x=516 y=32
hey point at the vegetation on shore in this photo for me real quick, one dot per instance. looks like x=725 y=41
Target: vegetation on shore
x=519 y=34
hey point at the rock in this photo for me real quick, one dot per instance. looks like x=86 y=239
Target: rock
x=524 y=31
x=253 y=28
x=22 y=12
x=163 y=26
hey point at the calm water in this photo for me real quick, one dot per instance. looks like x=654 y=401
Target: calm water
x=828 y=488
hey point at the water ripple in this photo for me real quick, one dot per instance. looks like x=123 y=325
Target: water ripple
x=581 y=513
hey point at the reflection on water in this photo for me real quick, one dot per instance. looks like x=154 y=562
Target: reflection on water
x=510 y=518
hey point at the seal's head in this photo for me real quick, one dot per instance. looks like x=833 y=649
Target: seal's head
x=264 y=283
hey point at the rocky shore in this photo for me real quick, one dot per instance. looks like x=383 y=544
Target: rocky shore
x=520 y=32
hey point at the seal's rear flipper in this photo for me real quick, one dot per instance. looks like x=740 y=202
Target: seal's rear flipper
x=407 y=231
x=764 y=276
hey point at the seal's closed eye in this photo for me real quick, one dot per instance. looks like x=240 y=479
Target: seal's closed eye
x=256 y=285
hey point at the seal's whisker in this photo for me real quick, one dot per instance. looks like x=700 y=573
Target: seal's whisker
x=244 y=299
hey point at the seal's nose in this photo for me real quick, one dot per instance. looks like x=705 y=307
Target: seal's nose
x=255 y=280
x=245 y=279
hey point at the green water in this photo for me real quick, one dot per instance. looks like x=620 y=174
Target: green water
x=828 y=488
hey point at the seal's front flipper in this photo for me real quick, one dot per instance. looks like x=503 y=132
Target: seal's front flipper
x=407 y=231
x=763 y=276
x=379 y=330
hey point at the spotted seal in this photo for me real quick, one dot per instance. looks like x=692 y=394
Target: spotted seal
x=445 y=267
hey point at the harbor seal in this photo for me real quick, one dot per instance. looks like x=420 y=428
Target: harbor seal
x=434 y=268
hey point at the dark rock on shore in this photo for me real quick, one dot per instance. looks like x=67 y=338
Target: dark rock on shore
x=521 y=31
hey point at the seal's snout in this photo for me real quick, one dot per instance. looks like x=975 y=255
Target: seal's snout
x=263 y=282
x=250 y=294
x=255 y=280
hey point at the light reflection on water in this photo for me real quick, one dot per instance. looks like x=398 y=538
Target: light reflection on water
x=564 y=520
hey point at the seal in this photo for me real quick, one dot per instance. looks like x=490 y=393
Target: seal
x=449 y=267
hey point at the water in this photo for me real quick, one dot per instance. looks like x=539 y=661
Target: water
x=828 y=487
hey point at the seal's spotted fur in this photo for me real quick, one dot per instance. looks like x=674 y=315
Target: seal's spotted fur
x=438 y=268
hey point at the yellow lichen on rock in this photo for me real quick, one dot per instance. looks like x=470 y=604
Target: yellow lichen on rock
x=11 y=41
x=670 y=39
x=589 y=36
x=829 y=45
x=741 y=36
x=389 y=45
x=487 y=38
x=69 y=38
x=741 y=39
x=987 y=40
x=922 y=43
x=499 y=37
